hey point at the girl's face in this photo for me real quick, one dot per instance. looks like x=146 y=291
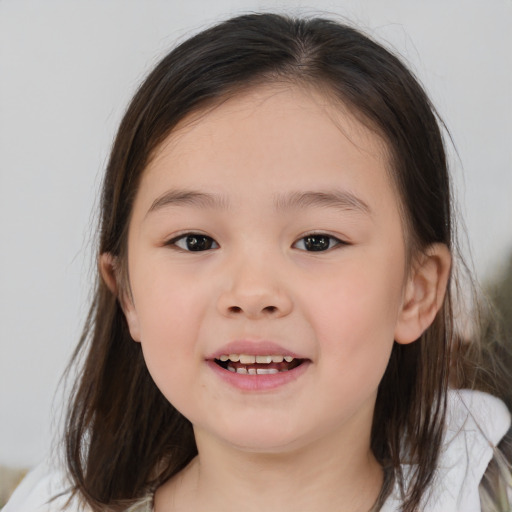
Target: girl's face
x=268 y=226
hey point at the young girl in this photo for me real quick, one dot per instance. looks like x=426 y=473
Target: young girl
x=273 y=326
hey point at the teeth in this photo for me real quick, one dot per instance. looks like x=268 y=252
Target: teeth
x=266 y=371
x=255 y=371
x=248 y=359
x=264 y=359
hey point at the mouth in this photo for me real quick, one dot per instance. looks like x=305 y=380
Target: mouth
x=245 y=364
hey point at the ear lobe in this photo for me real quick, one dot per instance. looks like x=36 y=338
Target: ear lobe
x=132 y=319
x=109 y=272
x=424 y=293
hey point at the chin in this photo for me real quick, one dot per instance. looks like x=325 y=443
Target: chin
x=271 y=439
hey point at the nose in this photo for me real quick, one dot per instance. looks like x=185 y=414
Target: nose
x=254 y=290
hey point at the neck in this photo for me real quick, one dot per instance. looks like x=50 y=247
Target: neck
x=316 y=477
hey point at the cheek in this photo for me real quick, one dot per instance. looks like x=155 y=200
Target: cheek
x=355 y=319
x=168 y=315
x=168 y=303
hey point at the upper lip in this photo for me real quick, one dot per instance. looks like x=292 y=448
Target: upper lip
x=254 y=348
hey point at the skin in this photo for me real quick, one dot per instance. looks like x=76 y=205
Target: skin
x=305 y=445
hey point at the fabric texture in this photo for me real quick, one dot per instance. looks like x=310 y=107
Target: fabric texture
x=476 y=423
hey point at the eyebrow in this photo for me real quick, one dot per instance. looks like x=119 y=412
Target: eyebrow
x=188 y=198
x=339 y=199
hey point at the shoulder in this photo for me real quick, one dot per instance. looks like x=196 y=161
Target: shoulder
x=47 y=489
x=44 y=489
x=475 y=424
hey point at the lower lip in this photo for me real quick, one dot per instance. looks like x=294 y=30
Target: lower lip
x=258 y=382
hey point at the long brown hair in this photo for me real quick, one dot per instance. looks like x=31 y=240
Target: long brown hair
x=123 y=438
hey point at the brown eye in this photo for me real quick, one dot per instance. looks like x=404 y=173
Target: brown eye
x=195 y=242
x=317 y=243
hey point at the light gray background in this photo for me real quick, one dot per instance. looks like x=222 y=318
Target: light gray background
x=67 y=71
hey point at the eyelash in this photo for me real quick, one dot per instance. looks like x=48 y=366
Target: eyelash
x=310 y=238
x=189 y=240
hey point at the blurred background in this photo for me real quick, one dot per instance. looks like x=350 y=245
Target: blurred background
x=67 y=72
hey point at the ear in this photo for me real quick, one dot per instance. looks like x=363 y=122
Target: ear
x=109 y=272
x=424 y=293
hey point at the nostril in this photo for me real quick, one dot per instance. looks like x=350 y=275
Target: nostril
x=267 y=309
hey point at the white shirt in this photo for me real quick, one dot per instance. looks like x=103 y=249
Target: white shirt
x=476 y=423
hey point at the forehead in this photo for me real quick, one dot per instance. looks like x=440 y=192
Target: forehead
x=272 y=138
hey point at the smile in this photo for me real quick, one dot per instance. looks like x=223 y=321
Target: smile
x=246 y=364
